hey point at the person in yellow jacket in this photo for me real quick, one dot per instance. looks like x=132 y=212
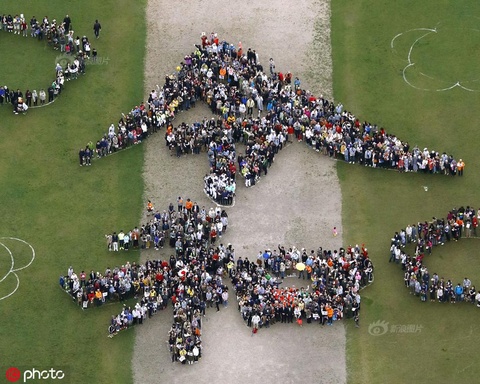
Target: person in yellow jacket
x=98 y=296
x=460 y=167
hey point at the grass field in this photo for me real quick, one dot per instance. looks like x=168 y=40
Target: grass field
x=368 y=80
x=63 y=210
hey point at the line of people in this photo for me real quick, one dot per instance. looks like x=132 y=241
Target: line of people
x=456 y=225
x=60 y=37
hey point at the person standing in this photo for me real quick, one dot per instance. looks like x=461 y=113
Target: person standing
x=115 y=242
x=460 y=167
x=272 y=66
x=97 y=28
x=121 y=237
x=81 y=156
x=35 y=97
x=67 y=22
x=28 y=97
x=255 y=322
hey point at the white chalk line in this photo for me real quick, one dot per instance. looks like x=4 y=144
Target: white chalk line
x=411 y=64
x=12 y=269
x=26 y=243
x=12 y=259
x=15 y=290
x=411 y=30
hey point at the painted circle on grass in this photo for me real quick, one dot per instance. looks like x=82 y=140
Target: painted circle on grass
x=447 y=54
x=440 y=58
x=14 y=268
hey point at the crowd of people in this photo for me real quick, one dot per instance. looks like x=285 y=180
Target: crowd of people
x=191 y=279
x=191 y=284
x=59 y=36
x=333 y=282
x=181 y=226
x=457 y=224
x=264 y=108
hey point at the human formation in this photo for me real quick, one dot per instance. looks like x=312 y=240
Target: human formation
x=459 y=223
x=264 y=109
x=191 y=280
x=58 y=35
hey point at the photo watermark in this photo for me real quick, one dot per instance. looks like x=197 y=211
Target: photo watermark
x=66 y=59
x=381 y=327
x=34 y=375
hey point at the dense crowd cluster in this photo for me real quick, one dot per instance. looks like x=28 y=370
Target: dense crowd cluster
x=182 y=226
x=264 y=109
x=191 y=279
x=59 y=36
x=457 y=224
x=333 y=279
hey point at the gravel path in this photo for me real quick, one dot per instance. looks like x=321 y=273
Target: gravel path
x=298 y=203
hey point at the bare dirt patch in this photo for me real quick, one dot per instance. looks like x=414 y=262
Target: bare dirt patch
x=298 y=203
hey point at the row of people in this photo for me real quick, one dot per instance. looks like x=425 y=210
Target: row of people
x=60 y=37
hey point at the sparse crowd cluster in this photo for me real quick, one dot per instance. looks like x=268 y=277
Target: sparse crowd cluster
x=59 y=36
x=456 y=225
x=333 y=279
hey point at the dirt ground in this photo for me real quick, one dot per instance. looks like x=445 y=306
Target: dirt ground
x=298 y=203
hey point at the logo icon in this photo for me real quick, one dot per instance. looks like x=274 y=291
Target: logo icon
x=378 y=328
x=64 y=60
x=13 y=374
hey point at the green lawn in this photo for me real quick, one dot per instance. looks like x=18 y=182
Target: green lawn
x=63 y=210
x=368 y=81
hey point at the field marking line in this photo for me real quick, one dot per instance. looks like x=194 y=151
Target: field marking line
x=12 y=269
x=13 y=261
x=27 y=243
x=410 y=84
x=43 y=105
x=415 y=42
x=430 y=77
x=15 y=290
x=411 y=30
x=457 y=84
x=411 y=64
